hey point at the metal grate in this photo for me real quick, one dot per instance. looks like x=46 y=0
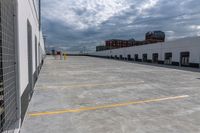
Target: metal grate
x=8 y=104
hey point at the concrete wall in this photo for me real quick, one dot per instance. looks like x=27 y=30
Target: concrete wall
x=191 y=44
x=27 y=12
x=21 y=59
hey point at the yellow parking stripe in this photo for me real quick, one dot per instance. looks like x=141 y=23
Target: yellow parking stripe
x=90 y=85
x=34 y=114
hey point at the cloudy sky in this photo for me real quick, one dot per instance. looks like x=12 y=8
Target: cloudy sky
x=77 y=24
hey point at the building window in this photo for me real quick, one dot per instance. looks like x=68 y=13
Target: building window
x=168 y=58
x=184 y=58
x=136 y=57
x=155 y=58
x=144 y=57
x=129 y=57
x=121 y=57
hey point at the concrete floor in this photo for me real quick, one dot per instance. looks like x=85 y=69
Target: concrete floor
x=93 y=95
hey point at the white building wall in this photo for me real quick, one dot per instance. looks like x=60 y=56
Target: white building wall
x=23 y=11
x=27 y=12
x=191 y=44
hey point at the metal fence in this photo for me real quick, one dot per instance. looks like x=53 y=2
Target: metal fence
x=8 y=94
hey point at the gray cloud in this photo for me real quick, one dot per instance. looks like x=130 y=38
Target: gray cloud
x=74 y=25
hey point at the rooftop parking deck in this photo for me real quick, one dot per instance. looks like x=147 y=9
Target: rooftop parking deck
x=93 y=95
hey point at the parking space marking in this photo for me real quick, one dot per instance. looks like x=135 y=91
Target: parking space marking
x=35 y=114
x=89 y=85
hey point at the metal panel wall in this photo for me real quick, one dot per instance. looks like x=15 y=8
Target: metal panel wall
x=8 y=93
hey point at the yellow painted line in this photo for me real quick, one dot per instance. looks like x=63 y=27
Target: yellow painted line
x=34 y=114
x=91 y=85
